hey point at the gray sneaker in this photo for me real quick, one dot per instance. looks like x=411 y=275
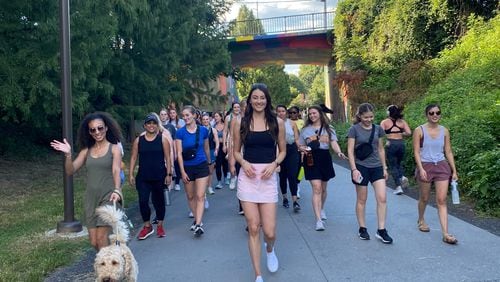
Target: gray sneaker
x=320 y=225
x=398 y=191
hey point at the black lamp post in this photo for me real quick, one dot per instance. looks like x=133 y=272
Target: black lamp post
x=69 y=224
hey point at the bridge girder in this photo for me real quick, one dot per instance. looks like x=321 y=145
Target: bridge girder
x=294 y=48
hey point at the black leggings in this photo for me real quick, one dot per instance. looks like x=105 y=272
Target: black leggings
x=395 y=156
x=153 y=188
x=289 y=170
x=221 y=165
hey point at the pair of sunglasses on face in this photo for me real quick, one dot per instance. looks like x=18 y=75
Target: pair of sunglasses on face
x=94 y=130
x=293 y=113
x=438 y=113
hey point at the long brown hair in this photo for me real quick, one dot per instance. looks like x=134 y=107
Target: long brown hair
x=270 y=115
x=322 y=118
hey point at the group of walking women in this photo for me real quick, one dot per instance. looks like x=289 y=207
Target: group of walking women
x=258 y=144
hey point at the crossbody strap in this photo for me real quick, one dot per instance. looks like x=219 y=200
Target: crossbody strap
x=372 y=135
x=197 y=137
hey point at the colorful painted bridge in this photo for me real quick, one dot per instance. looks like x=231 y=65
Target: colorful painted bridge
x=298 y=39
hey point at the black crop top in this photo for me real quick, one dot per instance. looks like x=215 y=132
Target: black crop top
x=389 y=131
x=259 y=147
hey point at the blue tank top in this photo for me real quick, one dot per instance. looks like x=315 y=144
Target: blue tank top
x=432 y=150
x=151 y=159
x=260 y=147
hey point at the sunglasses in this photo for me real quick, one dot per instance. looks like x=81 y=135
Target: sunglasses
x=96 y=129
x=438 y=113
x=293 y=113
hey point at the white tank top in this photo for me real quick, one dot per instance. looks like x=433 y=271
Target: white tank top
x=289 y=135
x=432 y=150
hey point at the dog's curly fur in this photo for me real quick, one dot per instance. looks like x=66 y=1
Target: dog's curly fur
x=116 y=261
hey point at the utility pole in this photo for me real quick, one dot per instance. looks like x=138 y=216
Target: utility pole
x=324 y=13
x=69 y=224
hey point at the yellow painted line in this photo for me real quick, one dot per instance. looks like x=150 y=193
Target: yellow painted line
x=244 y=38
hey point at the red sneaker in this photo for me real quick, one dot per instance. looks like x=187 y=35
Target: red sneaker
x=160 y=231
x=145 y=232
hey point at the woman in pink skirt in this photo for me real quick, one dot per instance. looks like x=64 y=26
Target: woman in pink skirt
x=259 y=133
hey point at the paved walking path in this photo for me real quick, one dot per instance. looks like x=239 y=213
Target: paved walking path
x=335 y=254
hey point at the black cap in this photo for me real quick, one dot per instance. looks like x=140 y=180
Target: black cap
x=151 y=117
x=325 y=109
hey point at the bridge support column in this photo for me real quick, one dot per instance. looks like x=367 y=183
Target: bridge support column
x=332 y=94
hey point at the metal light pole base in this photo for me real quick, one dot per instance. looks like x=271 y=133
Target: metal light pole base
x=68 y=227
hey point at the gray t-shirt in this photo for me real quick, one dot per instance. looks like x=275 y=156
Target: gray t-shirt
x=309 y=131
x=362 y=135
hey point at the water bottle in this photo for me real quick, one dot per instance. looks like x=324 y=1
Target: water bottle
x=455 y=197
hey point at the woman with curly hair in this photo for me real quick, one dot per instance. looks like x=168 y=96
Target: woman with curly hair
x=98 y=138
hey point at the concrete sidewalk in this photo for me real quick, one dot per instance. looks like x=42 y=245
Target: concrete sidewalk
x=336 y=254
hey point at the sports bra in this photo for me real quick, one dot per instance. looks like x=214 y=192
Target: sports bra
x=389 y=131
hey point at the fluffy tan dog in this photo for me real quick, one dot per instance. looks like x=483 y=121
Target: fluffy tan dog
x=115 y=262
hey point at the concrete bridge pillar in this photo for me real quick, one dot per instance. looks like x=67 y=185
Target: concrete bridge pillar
x=332 y=94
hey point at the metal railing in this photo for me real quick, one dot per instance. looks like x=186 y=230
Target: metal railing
x=285 y=24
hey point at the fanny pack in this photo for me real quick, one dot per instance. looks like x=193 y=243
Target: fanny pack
x=364 y=150
x=314 y=145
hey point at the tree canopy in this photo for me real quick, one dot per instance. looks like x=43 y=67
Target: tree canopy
x=128 y=57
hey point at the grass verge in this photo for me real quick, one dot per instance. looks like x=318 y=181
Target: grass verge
x=31 y=203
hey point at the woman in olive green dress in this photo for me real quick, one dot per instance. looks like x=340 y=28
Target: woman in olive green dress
x=98 y=138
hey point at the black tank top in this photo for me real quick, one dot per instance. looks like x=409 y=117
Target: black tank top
x=260 y=147
x=151 y=159
x=389 y=131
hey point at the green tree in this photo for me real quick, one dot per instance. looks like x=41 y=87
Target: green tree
x=308 y=73
x=246 y=23
x=274 y=77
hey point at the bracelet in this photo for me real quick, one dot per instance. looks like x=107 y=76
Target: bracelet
x=169 y=174
x=67 y=155
x=353 y=170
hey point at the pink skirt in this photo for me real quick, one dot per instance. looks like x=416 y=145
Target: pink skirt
x=257 y=190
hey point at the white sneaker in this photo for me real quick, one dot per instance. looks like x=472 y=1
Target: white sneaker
x=272 y=261
x=219 y=185
x=232 y=185
x=398 y=191
x=211 y=190
x=228 y=177
x=177 y=187
x=191 y=214
x=320 y=226
x=404 y=181
x=259 y=279
x=323 y=215
x=298 y=192
x=207 y=205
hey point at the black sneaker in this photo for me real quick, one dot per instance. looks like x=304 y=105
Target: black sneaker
x=363 y=234
x=155 y=221
x=285 y=203
x=383 y=236
x=296 y=207
x=198 y=231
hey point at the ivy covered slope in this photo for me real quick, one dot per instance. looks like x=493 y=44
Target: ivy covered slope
x=467 y=86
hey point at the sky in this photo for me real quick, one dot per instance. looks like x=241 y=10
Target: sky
x=277 y=8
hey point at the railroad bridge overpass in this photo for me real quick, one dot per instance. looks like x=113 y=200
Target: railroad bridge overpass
x=298 y=39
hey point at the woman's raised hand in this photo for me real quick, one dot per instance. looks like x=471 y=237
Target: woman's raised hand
x=64 y=146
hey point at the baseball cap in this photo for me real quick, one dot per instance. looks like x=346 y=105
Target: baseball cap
x=151 y=117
